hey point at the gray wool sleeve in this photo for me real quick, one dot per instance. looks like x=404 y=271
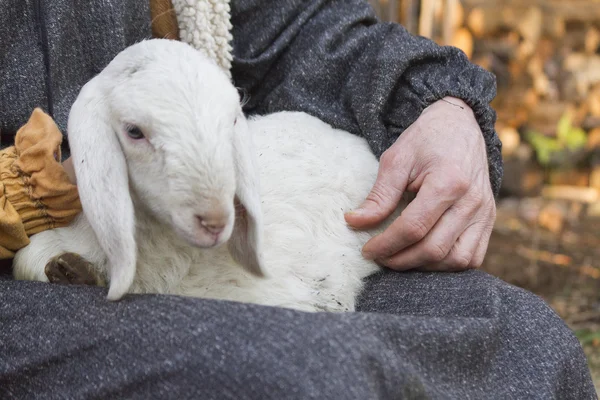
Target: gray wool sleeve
x=333 y=59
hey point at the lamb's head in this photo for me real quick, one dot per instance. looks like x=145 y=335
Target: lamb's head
x=174 y=114
x=161 y=129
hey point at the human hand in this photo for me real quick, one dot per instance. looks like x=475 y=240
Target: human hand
x=447 y=227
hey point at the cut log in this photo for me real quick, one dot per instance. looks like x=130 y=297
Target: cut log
x=484 y=20
x=535 y=66
x=585 y=70
x=554 y=26
x=595 y=178
x=464 y=41
x=510 y=139
x=450 y=24
x=426 y=18
x=593 y=140
x=522 y=178
x=593 y=102
x=590 y=123
x=458 y=13
x=571 y=10
x=547 y=115
x=571 y=193
x=569 y=177
x=541 y=84
x=580 y=113
x=552 y=217
x=531 y=99
x=409 y=15
x=593 y=210
x=483 y=60
x=476 y=22
x=515 y=116
x=592 y=40
x=530 y=25
x=506 y=48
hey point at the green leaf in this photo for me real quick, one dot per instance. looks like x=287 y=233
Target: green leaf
x=570 y=136
x=543 y=145
x=576 y=139
x=563 y=127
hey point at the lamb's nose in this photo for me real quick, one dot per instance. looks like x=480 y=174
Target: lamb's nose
x=212 y=223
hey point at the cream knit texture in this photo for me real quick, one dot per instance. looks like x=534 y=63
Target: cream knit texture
x=206 y=25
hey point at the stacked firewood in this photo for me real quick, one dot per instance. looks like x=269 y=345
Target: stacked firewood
x=546 y=57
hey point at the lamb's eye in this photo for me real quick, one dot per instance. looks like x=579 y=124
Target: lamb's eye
x=134 y=132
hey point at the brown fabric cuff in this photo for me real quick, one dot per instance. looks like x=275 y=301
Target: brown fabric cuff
x=12 y=231
x=35 y=186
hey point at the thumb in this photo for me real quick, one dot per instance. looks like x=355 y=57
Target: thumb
x=381 y=201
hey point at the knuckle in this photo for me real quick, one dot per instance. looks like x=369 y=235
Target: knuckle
x=461 y=183
x=387 y=160
x=446 y=189
x=441 y=187
x=456 y=182
x=436 y=252
x=415 y=231
x=388 y=248
x=476 y=262
x=462 y=260
x=477 y=197
x=392 y=263
x=378 y=195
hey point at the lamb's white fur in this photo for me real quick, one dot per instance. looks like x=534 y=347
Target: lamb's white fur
x=307 y=174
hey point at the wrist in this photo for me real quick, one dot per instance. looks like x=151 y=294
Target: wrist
x=453 y=104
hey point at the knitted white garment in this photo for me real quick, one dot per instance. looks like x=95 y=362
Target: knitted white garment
x=206 y=25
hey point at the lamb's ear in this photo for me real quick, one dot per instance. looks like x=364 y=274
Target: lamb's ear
x=103 y=184
x=245 y=244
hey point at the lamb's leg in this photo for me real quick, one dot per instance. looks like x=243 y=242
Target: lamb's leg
x=30 y=262
x=62 y=255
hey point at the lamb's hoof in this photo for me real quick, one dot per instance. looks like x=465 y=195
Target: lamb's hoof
x=71 y=269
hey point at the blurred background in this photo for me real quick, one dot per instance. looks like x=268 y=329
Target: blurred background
x=546 y=57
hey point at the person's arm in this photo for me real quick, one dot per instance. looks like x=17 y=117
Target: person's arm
x=334 y=60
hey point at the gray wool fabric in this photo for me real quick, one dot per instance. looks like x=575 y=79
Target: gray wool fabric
x=416 y=335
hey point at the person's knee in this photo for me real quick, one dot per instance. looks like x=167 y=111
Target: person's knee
x=532 y=316
x=542 y=340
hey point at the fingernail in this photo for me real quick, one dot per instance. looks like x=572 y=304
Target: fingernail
x=358 y=211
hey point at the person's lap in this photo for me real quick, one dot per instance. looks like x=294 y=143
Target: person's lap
x=435 y=335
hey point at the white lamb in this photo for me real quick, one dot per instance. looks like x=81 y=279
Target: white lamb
x=168 y=172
